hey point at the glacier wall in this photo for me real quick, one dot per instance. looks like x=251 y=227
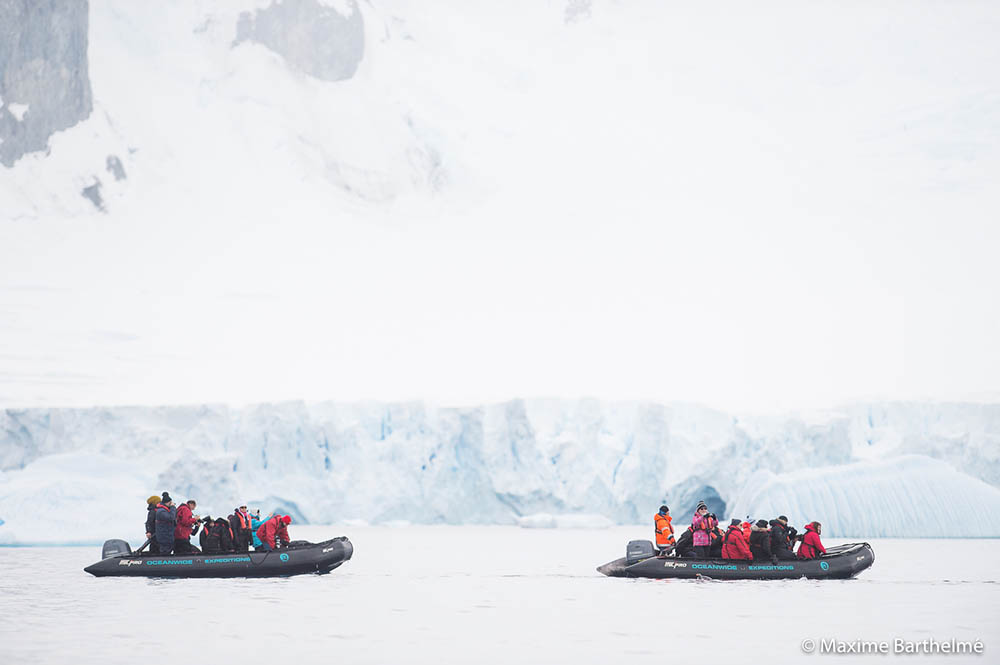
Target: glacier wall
x=867 y=470
x=44 y=80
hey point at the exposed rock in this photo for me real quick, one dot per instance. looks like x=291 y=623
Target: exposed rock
x=115 y=167
x=312 y=37
x=93 y=194
x=44 y=80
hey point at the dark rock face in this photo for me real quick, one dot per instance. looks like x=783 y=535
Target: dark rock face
x=93 y=194
x=43 y=66
x=115 y=168
x=312 y=38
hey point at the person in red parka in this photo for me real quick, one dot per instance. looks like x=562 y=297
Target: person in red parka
x=811 y=546
x=274 y=531
x=734 y=545
x=182 y=531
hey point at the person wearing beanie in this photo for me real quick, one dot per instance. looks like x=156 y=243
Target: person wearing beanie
x=760 y=541
x=664 y=529
x=274 y=533
x=702 y=524
x=734 y=545
x=165 y=521
x=781 y=545
x=151 y=523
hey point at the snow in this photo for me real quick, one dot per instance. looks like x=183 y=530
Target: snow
x=866 y=470
x=570 y=521
x=18 y=110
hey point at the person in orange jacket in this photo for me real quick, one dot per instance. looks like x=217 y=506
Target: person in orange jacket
x=274 y=531
x=811 y=546
x=662 y=524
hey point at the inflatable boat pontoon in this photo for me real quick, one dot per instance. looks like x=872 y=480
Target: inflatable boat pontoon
x=839 y=563
x=298 y=558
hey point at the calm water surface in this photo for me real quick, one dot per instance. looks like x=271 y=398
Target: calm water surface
x=490 y=595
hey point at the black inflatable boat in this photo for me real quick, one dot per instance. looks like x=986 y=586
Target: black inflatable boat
x=298 y=558
x=839 y=563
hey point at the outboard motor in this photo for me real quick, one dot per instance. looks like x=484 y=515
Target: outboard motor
x=115 y=548
x=638 y=550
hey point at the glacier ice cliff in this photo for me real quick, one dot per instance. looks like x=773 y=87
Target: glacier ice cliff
x=899 y=469
x=44 y=80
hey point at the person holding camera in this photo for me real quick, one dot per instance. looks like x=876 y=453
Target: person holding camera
x=781 y=541
x=702 y=525
x=186 y=520
x=274 y=531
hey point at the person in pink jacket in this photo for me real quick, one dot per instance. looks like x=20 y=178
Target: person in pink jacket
x=702 y=523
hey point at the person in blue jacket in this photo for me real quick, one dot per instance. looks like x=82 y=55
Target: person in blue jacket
x=255 y=522
x=165 y=521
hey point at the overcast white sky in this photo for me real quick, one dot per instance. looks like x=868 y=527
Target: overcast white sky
x=755 y=212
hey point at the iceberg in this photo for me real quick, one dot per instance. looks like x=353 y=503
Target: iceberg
x=905 y=497
x=906 y=470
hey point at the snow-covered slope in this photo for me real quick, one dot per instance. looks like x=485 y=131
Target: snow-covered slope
x=631 y=200
x=868 y=470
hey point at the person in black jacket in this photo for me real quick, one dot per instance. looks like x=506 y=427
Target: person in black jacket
x=217 y=536
x=151 y=523
x=760 y=541
x=715 y=548
x=685 y=544
x=781 y=545
x=240 y=522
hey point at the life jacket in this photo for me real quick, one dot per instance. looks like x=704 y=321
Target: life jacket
x=244 y=520
x=664 y=529
x=240 y=524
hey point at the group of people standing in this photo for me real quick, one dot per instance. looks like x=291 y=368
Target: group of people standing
x=763 y=540
x=169 y=529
